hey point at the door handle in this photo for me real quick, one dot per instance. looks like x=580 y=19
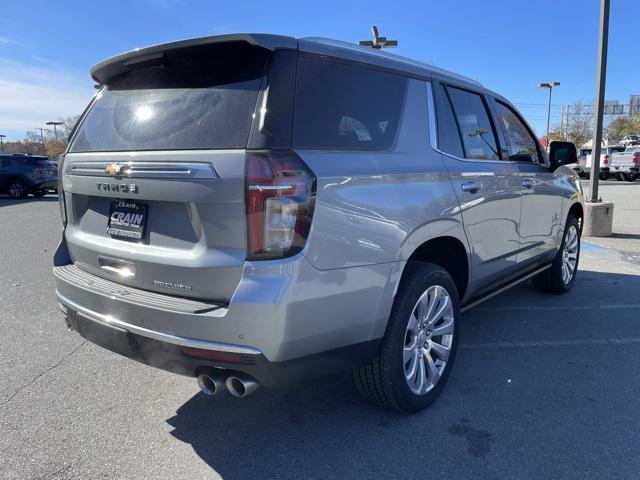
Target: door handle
x=527 y=183
x=471 y=187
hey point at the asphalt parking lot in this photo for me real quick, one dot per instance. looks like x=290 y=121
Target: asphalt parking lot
x=543 y=387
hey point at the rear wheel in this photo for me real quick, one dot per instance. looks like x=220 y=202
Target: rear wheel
x=629 y=177
x=605 y=175
x=559 y=278
x=17 y=189
x=419 y=346
x=39 y=194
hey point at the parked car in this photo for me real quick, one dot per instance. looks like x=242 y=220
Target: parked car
x=630 y=140
x=222 y=224
x=22 y=174
x=580 y=167
x=605 y=161
x=625 y=165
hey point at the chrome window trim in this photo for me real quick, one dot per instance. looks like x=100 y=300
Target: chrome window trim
x=433 y=132
x=142 y=169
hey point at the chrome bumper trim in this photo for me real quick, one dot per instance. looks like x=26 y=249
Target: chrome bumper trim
x=111 y=322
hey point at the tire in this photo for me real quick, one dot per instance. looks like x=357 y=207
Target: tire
x=628 y=177
x=605 y=175
x=553 y=279
x=39 y=194
x=406 y=344
x=17 y=189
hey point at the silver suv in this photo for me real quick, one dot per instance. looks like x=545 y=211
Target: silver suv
x=258 y=209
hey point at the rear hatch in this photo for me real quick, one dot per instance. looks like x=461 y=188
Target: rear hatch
x=154 y=177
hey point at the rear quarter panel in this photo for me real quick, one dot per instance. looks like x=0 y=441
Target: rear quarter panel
x=377 y=207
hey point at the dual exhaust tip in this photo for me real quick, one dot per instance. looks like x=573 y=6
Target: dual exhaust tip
x=239 y=385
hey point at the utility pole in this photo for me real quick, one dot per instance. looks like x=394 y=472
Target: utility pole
x=600 y=88
x=1 y=143
x=55 y=130
x=550 y=86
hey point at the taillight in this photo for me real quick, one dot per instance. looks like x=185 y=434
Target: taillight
x=280 y=192
x=634 y=158
x=61 y=203
x=606 y=160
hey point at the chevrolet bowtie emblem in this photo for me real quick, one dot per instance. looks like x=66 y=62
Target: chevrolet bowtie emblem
x=116 y=168
x=112 y=169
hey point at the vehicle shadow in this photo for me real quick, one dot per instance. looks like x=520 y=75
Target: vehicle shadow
x=630 y=236
x=520 y=374
x=5 y=201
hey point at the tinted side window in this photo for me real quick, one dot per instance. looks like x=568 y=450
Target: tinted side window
x=475 y=127
x=346 y=107
x=522 y=146
x=448 y=134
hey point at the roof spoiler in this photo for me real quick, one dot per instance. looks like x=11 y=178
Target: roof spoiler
x=109 y=68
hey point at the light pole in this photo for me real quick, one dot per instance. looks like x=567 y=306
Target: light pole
x=44 y=148
x=600 y=86
x=598 y=215
x=1 y=143
x=55 y=130
x=550 y=86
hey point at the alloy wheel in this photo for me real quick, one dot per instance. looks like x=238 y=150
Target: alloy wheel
x=570 y=254
x=428 y=340
x=16 y=190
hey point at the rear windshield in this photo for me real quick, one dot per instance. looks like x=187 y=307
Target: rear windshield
x=203 y=100
x=345 y=107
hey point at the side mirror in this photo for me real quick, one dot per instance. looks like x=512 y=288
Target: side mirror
x=562 y=153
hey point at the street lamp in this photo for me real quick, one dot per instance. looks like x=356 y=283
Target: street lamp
x=550 y=86
x=2 y=144
x=55 y=130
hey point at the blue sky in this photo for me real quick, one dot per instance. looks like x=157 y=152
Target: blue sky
x=47 y=48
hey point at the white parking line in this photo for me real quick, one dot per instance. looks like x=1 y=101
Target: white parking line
x=551 y=343
x=556 y=307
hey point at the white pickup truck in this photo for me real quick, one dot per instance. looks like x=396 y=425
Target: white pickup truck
x=625 y=165
x=605 y=161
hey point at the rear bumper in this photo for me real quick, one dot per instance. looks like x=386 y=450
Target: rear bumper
x=175 y=354
x=286 y=320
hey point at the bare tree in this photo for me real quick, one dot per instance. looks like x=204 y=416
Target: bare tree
x=53 y=148
x=576 y=127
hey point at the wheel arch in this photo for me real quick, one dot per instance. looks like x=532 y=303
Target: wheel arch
x=577 y=210
x=449 y=253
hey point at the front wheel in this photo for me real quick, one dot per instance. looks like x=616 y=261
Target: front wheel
x=419 y=345
x=561 y=275
x=605 y=175
x=39 y=194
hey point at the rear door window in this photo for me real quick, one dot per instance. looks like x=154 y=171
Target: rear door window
x=201 y=100
x=476 y=130
x=448 y=134
x=345 y=107
x=521 y=144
